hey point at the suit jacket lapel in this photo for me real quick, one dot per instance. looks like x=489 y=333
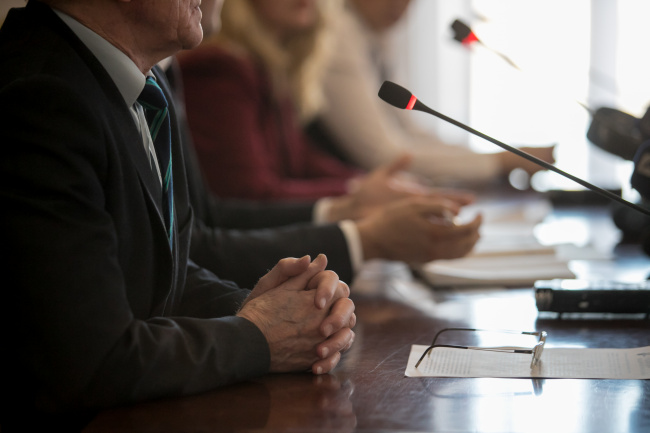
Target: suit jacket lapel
x=133 y=145
x=152 y=189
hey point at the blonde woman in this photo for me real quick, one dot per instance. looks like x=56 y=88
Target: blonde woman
x=242 y=88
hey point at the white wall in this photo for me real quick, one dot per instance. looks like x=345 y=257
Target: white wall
x=437 y=71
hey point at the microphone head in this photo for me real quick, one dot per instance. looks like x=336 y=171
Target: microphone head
x=463 y=33
x=461 y=30
x=396 y=95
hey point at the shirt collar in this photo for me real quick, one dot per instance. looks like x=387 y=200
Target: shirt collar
x=122 y=70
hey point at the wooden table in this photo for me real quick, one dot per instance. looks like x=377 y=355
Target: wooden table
x=369 y=393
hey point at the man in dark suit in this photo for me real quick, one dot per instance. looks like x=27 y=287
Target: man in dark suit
x=100 y=304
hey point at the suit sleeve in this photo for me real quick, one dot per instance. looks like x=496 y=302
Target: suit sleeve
x=68 y=309
x=234 y=213
x=246 y=255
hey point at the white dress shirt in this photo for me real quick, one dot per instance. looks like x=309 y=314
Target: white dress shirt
x=125 y=74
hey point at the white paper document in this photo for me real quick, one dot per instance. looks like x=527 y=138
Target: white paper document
x=508 y=252
x=567 y=363
x=518 y=269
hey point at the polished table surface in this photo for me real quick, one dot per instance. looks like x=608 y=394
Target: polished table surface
x=368 y=391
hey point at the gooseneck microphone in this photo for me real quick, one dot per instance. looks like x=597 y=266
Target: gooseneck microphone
x=399 y=97
x=464 y=34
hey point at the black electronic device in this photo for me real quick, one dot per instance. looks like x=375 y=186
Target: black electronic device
x=636 y=227
x=616 y=132
x=640 y=179
x=592 y=296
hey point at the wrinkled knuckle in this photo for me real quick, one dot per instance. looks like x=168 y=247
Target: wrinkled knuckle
x=341 y=321
x=334 y=361
x=285 y=261
x=346 y=307
x=350 y=337
x=350 y=341
x=331 y=274
x=344 y=288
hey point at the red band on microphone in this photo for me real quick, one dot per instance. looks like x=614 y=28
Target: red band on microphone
x=411 y=103
x=471 y=38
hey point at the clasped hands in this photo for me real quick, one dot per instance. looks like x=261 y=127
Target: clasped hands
x=305 y=314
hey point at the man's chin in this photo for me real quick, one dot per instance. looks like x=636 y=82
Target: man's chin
x=193 y=40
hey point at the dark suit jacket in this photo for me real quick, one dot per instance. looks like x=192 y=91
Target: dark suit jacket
x=241 y=240
x=96 y=309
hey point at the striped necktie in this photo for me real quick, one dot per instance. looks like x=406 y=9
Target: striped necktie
x=156 y=112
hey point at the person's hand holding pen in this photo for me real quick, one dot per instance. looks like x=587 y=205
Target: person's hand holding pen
x=418 y=230
x=305 y=314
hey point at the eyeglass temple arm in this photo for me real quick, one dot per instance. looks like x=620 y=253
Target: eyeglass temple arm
x=430 y=348
x=512 y=349
x=507 y=331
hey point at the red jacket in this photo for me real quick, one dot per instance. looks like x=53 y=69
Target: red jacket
x=249 y=144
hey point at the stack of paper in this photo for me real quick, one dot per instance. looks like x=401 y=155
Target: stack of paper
x=508 y=253
x=516 y=269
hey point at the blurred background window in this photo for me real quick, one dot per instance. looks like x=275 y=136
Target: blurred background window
x=569 y=54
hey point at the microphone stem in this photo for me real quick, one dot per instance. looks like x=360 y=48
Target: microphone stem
x=421 y=107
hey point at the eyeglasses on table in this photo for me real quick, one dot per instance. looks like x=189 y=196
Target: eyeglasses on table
x=535 y=351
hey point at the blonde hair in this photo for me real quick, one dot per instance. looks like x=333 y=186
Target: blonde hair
x=293 y=68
